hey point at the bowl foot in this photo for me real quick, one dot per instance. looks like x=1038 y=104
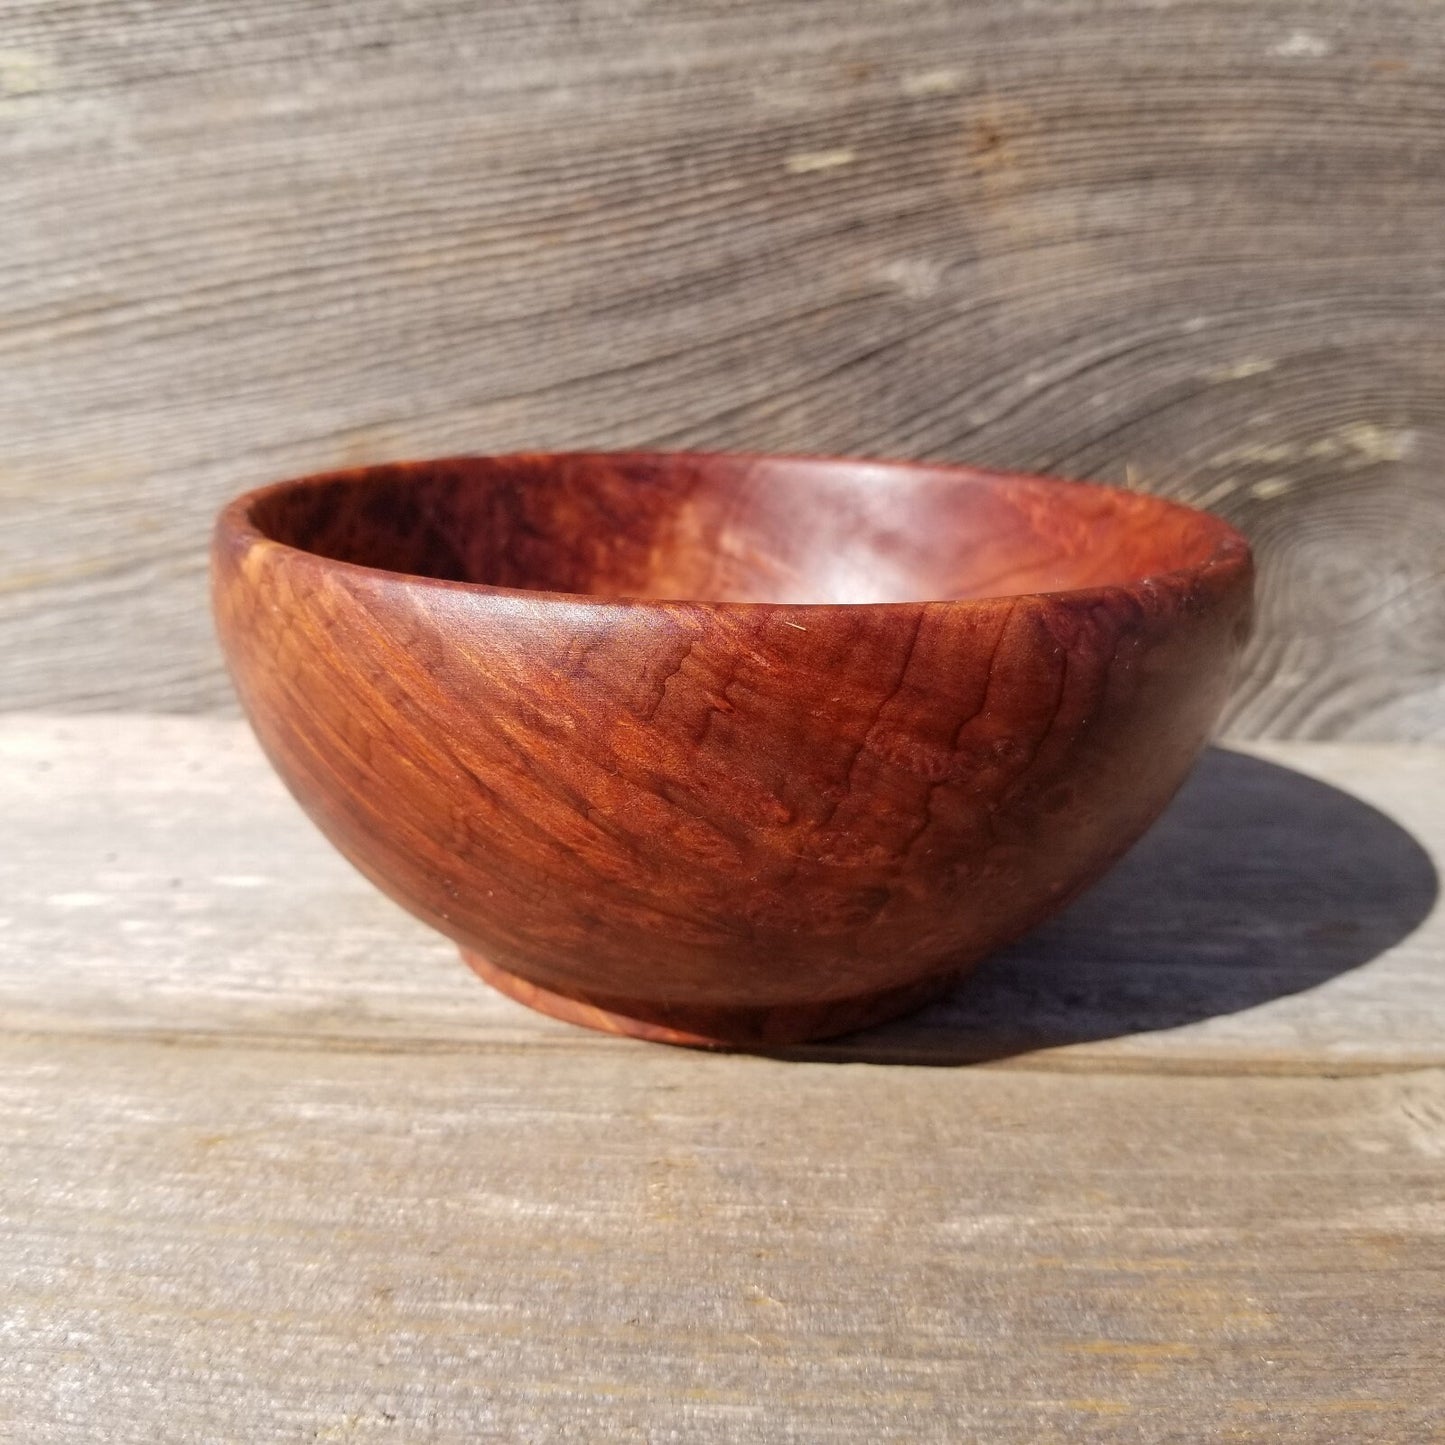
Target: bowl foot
x=718 y=1027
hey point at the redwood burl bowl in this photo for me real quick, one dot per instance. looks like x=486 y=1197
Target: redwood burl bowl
x=734 y=750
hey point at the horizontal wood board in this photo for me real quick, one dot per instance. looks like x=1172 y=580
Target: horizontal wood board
x=1284 y=916
x=1192 y=247
x=274 y=1167
x=224 y=1244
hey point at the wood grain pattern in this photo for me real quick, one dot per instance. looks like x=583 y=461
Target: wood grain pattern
x=220 y=1244
x=731 y=750
x=174 y=891
x=1192 y=246
x=274 y=1168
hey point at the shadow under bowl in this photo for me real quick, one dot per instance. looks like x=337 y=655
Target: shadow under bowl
x=721 y=749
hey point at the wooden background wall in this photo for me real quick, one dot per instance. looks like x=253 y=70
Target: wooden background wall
x=1198 y=246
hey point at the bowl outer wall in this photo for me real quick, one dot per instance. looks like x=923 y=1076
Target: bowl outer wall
x=704 y=814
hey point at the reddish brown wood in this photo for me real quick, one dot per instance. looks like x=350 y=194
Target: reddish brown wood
x=727 y=749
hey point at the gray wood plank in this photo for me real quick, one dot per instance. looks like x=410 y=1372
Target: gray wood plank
x=1196 y=247
x=274 y=1168
x=223 y=1244
x=156 y=881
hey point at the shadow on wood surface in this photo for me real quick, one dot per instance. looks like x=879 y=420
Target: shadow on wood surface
x=1259 y=882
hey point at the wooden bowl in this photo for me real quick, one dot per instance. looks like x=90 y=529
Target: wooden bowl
x=730 y=750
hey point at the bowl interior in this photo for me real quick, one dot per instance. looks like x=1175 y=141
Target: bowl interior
x=736 y=528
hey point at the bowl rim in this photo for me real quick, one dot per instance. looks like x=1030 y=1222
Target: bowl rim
x=235 y=528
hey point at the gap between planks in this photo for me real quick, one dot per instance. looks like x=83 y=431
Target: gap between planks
x=824 y=1054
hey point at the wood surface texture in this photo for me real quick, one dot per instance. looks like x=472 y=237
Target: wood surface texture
x=755 y=786
x=274 y=1167
x=1195 y=246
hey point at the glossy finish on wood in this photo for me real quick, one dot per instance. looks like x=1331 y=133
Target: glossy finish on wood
x=727 y=749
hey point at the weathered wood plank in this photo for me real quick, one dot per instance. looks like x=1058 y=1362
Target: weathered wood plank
x=227 y=1244
x=156 y=880
x=1196 y=246
x=274 y=1167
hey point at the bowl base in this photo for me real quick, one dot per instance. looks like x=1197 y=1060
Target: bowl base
x=718 y=1027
